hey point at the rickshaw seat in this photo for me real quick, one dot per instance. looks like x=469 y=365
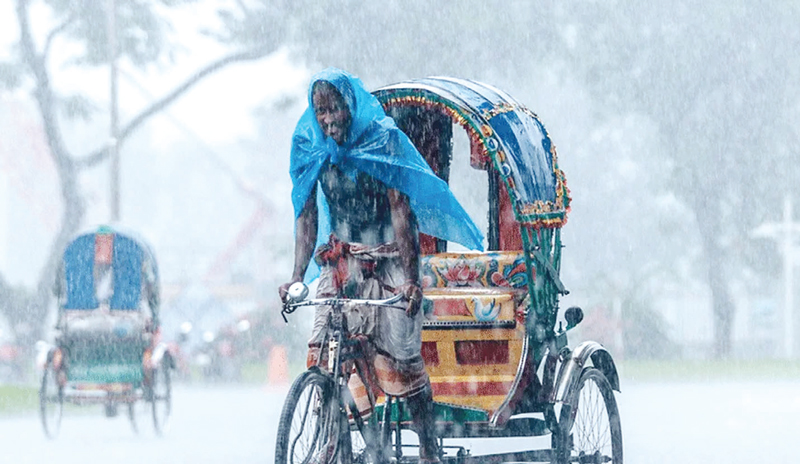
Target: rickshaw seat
x=104 y=346
x=98 y=322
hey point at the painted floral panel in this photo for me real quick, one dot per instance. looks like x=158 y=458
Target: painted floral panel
x=492 y=269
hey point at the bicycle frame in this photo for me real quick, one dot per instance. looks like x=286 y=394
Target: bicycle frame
x=341 y=351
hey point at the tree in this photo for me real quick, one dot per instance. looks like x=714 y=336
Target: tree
x=716 y=80
x=720 y=81
x=142 y=31
x=518 y=47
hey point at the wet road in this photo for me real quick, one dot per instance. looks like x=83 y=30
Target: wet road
x=208 y=425
x=742 y=422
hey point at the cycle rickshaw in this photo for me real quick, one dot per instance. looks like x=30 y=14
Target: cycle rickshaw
x=495 y=351
x=107 y=347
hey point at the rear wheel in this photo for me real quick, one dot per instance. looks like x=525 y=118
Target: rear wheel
x=307 y=431
x=132 y=418
x=363 y=442
x=590 y=430
x=358 y=449
x=161 y=398
x=51 y=401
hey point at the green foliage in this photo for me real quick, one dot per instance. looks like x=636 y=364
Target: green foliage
x=401 y=39
x=719 y=81
x=644 y=333
x=243 y=26
x=142 y=31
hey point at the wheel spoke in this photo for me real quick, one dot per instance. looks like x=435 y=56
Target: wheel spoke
x=50 y=402
x=595 y=435
x=298 y=428
x=307 y=432
x=306 y=427
x=161 y=398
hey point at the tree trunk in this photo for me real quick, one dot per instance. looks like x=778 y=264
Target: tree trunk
x=721 y=300
x=708 y=210
x=29 y=310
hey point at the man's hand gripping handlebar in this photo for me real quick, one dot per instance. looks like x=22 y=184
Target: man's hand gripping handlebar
x=298 y=291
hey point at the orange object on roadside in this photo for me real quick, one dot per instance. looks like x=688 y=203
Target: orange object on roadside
x=278 y=366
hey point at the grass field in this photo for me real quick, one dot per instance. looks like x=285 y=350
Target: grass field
x=694 y=370
x=15 y=399
x=641 y=371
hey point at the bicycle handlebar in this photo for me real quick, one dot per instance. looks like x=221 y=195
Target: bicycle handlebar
x=290 y=306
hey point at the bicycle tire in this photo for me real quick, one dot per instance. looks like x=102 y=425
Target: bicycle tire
x=590 y=428
x=161 y=397
x=51 y=401
x=305 y=424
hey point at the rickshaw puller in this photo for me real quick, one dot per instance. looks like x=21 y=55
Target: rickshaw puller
x=378 y=193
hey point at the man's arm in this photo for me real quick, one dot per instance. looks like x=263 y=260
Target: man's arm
x=305 y=239
x=407 y=238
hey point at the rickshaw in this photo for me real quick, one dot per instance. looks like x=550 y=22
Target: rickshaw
x=494 y=347
x=107 y=347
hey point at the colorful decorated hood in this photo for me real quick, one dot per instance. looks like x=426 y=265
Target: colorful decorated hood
x=130 y=262
x=507 y=135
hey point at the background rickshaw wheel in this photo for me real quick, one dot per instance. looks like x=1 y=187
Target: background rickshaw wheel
x=590 y=429
x=161 y=397
x=51 y=401
x=306 y=421
x=132 y=418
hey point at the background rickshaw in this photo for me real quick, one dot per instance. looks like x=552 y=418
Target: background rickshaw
x=495 y=350
x=107 y=347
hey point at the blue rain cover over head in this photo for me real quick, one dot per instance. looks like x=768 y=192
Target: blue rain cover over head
x=374 y=146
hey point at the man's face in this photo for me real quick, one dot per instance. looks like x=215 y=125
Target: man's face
x=332 y=113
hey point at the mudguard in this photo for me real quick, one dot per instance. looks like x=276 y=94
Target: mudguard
x=44 y=353
x=161 y=354
x=572 y=368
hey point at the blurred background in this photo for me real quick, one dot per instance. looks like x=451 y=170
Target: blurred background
x=676 y=125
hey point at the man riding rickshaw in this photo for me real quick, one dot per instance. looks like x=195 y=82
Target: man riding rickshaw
x=107 y=348
x=480 y=355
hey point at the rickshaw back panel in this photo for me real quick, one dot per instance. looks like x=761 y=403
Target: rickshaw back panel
x=474 y=339
x=79 y=265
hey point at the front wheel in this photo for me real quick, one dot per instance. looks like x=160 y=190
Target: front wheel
x=51 y=401
x=161 y=397
x=307 y=431
x=590 y=430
